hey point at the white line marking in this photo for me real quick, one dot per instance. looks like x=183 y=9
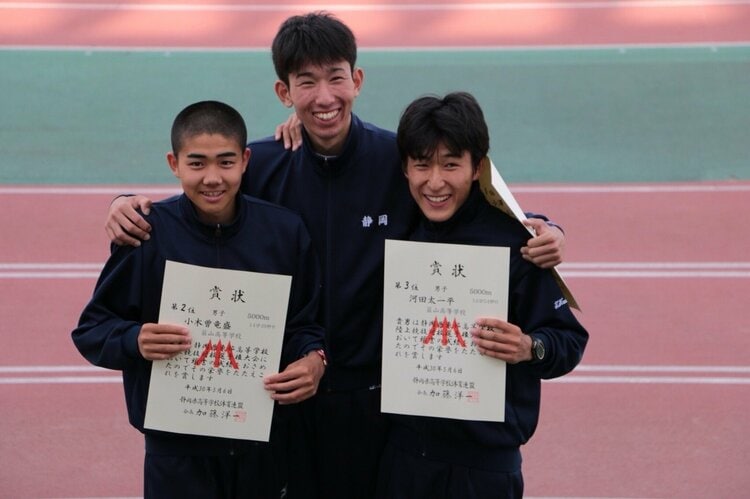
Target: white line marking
x=87 y=191
x=648 y=380
x=650 y=265
x=50 y=266
x=115 y=190
x=49 y=275
x=588 y=378
x=598 y=270
x=52 y=369
x=564 y=266
x=622 y=48
x=67 y=380
x=663 y=369
x=581 y=368
x=571 y=378
x=632 y=189
x=639 y=270
x=653 y=274
x=355 y=7
x=741 y=375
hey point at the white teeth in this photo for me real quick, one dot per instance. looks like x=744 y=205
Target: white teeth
x=212 y=194
x=327 y=116
x=437 y=199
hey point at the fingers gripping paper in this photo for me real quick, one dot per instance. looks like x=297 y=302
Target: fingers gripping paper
x=236 y=320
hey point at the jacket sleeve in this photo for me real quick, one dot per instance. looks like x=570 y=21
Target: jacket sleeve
x=303 y=331
x=540 y=309
x=530 y=214
x=107 y=332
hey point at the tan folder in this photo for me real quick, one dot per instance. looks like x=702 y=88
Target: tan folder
x=498 y=194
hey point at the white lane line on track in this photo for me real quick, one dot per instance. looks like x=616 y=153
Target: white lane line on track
x=589 y=368
x=38 y=266
x=87 y=190
x=385 y=7
x=735 y=375
x=658 y=188
x=661 y=369
x=605 y=270
x=166 y=50
x=672 y=375
x=652 y=380
x=653 y=274
x=61 y=380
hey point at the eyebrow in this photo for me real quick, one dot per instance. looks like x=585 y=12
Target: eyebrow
x=220 y=155
x=452 y=155
x=334 y=69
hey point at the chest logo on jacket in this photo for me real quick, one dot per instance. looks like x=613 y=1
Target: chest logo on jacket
x=368 y=221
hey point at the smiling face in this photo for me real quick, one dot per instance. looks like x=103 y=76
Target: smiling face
x=441 y=184
x=323 y=97
x=210 y=168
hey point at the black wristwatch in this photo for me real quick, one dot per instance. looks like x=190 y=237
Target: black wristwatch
x=537 y=349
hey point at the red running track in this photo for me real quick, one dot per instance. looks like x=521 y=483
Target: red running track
x=658 y=407
x=642 y=429
x=233 y=24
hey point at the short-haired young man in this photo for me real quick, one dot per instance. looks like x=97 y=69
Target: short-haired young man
x=442 y=143
x=212 y=225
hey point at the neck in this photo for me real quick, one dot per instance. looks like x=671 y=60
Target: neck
x=332 y=146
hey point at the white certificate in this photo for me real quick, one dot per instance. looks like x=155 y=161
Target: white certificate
x=433 y=293
x=237 y=322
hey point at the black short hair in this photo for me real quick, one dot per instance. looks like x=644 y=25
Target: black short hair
x=316 y=38
x=210 y=117
x=456 y=120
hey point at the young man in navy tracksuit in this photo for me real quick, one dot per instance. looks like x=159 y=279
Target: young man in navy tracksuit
x=346 y=182
x=212 y=225
x=442 y=143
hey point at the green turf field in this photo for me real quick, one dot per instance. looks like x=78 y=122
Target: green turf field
x=600 y=115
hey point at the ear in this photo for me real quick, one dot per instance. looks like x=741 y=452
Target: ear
x=245 y=159
x=282 y=92
x=358 y=76
x=173 y=164
x=478 y=170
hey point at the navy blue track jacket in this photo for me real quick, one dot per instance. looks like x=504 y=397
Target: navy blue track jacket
x=350 y=203
x=537 y=306
x=262 y=238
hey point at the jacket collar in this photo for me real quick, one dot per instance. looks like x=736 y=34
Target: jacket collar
x=468 y=211
x=212 y=231
x=334 y=165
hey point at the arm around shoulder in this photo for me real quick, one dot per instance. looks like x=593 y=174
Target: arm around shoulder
x=547 y=248
x=124 y=224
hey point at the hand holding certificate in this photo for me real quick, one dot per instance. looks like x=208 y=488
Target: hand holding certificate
x=237 y=323
x=433 y=294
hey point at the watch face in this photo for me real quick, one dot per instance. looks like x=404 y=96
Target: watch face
x=538 y=349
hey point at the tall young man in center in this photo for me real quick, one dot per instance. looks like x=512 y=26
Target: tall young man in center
x=346 y=183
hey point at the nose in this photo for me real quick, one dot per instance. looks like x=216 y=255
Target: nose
x=435 y=178
x=324 y=95
x=212 y=176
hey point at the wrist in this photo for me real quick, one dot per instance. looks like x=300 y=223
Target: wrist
x=538 y=349
x=320 y=354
